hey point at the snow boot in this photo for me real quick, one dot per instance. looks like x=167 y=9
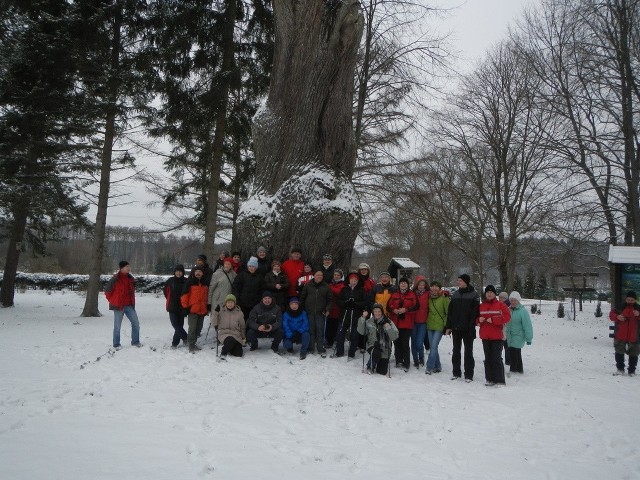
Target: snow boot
x=633 y=362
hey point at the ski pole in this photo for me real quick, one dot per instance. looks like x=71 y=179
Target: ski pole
x=217 y=341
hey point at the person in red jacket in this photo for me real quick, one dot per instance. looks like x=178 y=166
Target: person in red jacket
x=419 y=332
x=626 y=338
x=194 y=299
x=401 y=306
x=293 y=268
x=121 y=295
x=336 y=285
x=493 y=315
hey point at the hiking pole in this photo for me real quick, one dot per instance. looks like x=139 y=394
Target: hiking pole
x=340 y=329
x=217 y=341
x=207 y=334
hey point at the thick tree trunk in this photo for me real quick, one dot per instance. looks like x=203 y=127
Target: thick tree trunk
x=94 y=285
x=7 y=290
x=303 y=135
x=220 y=129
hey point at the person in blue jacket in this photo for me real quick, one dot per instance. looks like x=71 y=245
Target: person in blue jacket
x=296 y=327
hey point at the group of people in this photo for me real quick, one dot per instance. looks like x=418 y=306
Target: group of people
x=320 y=309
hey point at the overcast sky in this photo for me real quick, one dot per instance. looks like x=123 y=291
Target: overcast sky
x=473 y=27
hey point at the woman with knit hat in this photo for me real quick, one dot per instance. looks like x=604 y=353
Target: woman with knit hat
x=230 y=327
x=493 y=315
x=519 y=332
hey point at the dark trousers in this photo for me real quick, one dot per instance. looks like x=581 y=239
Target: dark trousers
x=515 y=356
x=195 y=325
x=316 y=331
x=493 y=367
x=331 y=331
x=377 y=364
x=177 y=322
x=507 y=353
x=254 y=335
x=402 y=347
x=469 y=363
x=348 y=326
x=231 y=346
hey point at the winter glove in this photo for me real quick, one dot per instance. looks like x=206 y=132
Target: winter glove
x=217 y=308
x=528 y=343
x=208 y=307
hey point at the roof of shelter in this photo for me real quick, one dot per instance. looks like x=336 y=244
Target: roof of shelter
x=624 y=254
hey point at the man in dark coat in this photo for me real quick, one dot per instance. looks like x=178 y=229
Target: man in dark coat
x=461 y=322
x=316 y=299
x=352 y=301
x=248 y=287
x=265 y=321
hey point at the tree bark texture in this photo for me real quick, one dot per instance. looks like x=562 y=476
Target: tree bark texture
x=94 y=285
x=303 y=135
x=19 y=225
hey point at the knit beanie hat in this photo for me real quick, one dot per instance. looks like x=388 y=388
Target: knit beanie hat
x=465 y=278
x=202 y=257
x=364 y=265
x=262 y=250
x=267 y=293
x=294 y=300
x=515 y=296
x=179 y=268
x=230 y=298
x=123 y=264
x=253 y=262
x=630 y=294
x=490 y=288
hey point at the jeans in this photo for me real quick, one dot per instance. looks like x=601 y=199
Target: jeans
x=131 y=314
x=304 y=338
x=417 y=341
x=433 y=360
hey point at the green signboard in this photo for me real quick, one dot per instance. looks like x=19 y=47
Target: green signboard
x=630 y=279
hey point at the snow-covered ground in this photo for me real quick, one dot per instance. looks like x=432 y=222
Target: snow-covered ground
x=159 y=413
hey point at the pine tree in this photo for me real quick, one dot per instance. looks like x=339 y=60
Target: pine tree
x=541 y=285
x=560 y=310
x=214 y=62
x=530 y=284
x=598 y=312
x=517 y=284
x=42 y=122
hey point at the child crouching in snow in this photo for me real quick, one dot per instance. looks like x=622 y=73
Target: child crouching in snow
x=380 y=333
x=295 y=324
x=229 y=323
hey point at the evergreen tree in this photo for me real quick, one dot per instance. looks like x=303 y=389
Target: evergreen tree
x=214 y=62
x=517 y=284
x=530 y=284
x=116 y=74
x=560 y=310
x=598 y=312
x=41 y=123
x=541 y=285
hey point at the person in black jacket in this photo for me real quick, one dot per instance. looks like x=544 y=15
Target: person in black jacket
x=172 y=291
x=316 y=300
x=265 y=321
x=461 y=322
x=248 y=286
x=352 y=301
x=277 y=283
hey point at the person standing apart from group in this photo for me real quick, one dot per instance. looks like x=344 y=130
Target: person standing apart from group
x=121 y=295
x=493 y=315
x=464 y=308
